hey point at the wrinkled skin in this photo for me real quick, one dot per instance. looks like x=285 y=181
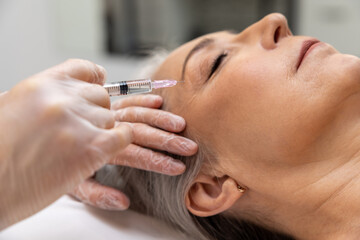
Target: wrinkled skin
x=288 y=133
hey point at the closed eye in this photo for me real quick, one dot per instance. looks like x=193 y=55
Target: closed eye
x=216 y=63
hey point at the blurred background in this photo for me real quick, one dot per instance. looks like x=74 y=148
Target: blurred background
x=119 y=34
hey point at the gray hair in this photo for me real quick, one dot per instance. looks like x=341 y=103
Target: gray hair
x=157 y=194
x=163 y=196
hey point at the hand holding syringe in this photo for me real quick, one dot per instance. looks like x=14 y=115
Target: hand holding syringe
x=154 y=132
x=69 y=134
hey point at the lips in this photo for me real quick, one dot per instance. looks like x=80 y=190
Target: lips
x=304 y=49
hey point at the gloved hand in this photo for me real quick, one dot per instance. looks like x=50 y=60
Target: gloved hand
x=56 y=131
x=141 y=114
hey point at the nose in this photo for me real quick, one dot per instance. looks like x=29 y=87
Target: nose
x=274 y=28
x=269 y=31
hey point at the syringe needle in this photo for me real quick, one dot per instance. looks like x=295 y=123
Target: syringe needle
x=163 y=83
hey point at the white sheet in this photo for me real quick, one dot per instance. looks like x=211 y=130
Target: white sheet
x=69 y=219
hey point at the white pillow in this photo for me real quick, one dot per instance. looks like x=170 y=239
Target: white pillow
x=69 y=219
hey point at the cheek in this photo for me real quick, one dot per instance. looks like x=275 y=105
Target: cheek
x=255 y=96
x=257 y=111
x=286 y=118
x=235 y=110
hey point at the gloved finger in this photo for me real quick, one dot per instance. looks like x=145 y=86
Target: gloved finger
x=146 y=159
x=110 y=142
x=100 y=196
x=79 y=69
x=99 y=117
x=146 y=136
x=95 y=94
x=154 y=117
x=148 y=100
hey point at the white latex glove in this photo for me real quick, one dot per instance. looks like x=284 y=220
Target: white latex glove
x=56 y=131
x=141 y=114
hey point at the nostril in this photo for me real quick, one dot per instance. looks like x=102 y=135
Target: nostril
x=277 y=35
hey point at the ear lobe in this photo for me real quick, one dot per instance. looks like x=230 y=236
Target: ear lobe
x=211 y=195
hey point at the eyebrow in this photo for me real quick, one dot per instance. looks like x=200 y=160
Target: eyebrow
x=202 y=44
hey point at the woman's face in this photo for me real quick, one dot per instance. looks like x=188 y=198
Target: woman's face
x=278 y=110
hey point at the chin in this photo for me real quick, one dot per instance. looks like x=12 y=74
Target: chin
x=352 y=68
x=344 y=69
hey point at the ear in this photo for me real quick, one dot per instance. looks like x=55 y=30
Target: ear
x=211 y=195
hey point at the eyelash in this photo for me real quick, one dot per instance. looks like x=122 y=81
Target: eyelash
x=216 y=63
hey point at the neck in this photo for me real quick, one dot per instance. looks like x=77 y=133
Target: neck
x=320 y=200
x=329 y=207
x=325 y=204
x=313 y=193
x=338 y=217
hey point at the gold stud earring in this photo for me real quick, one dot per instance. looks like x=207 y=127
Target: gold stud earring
x=241 y=189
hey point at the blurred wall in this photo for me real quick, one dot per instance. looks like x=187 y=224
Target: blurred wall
x=37 y=34
x=332 y=21
x=25 y=42
x=137 y=26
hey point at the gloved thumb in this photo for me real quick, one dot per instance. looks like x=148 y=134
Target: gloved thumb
x=81 y=70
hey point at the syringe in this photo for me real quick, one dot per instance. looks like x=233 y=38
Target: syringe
x=136 y=86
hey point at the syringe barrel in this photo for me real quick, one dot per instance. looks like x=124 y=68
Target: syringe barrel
x=139 y=86
x=129 y=87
